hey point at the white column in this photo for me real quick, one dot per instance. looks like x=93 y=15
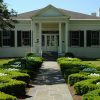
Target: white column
x=33 y=38
x=84 y=38
x=40 y=39
x=66 y=37
x=60 y=39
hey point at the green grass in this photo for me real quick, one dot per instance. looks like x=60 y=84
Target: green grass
x=6 y=60
x=95 y=62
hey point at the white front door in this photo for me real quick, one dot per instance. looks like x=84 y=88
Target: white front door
x=50 y=42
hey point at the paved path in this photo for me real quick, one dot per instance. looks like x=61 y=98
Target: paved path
x=49 y=84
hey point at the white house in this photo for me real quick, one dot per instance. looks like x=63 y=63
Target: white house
x=51 y=29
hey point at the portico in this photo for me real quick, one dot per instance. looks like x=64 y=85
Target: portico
x=49 y=37
x=49 y=31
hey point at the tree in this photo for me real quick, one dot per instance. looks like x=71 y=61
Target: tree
x=6 y=20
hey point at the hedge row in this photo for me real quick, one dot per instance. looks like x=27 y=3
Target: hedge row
x=15 y=80
x=93 y=95
x=77 y=73
x=12 y=87
x=4 y=96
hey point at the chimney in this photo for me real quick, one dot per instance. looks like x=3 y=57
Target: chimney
x=99 y=12
x=93 y=14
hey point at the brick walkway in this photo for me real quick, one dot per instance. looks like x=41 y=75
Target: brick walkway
x=49 y=85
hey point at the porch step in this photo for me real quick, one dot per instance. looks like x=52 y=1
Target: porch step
x=50 y=56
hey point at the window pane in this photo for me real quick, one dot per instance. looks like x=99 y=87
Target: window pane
x=25 y=38
x=95 y=38
x=75 y=38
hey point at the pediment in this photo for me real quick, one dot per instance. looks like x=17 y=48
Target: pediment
x=49 y=11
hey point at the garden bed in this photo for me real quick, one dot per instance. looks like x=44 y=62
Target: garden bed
x=81 y=76
x=15 y=74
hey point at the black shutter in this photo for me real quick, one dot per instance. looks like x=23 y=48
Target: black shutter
x=18 y=38
x=81 y=38
x=70 y=34
x=0 y=38
x=88 y=41
x=12 y=38
x=29 y=38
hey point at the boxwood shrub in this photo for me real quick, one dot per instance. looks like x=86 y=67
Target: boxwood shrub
x=19 y=76
x=74 y=78
x=4 y=96
x=33 y=63
x=12 y=87
x=93 y=95
x=72 y=65
x=85 y=86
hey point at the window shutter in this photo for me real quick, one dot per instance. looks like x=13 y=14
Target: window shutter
x=18 y=38
x=81 y=38
x=88 y=38
x=30 y=38
x=70 y=34
x=0 y=38
x=12 y=38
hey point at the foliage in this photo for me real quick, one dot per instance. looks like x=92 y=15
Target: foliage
x=12 y=87
x=74 y=78
x=85 y=86
x=5 y=16
x=93 y=95
x=30 y=54
x=19 y=76
x=4 y=96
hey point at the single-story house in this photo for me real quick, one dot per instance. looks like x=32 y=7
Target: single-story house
x=52 y=29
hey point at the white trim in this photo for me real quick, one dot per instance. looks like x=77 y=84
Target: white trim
x=84 y=19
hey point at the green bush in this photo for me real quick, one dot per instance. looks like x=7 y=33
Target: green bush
x=30 y=54
x=85 y=86
x=19 y=76
x=12 y=87
x=93 y=95
x=33 y=63
x=4 y=96
x=74 y=78
x=72 y=65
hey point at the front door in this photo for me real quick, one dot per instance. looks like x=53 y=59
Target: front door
x=50 y=42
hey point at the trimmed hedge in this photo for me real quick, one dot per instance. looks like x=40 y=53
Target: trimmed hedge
x=12 y=87
x=74 y=78
x=93 y=95
x=19 y=76
x=72 y=65
x=4 y=96
x=32 y=63
x=85 y=86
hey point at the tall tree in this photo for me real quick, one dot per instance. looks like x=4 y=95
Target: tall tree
x=6 y=20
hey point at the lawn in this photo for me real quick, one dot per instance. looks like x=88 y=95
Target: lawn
x=95 y=62
x=6 y=60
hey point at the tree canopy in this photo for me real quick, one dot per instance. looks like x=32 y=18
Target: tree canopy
x=6 y=20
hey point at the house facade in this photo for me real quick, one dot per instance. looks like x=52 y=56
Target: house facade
x=51 y=29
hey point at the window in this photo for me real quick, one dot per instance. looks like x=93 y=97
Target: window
x=76 y=38
x=92 y=38
x=7 y=38
x=23 y=38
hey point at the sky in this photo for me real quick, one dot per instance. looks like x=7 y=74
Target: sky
x=83 y=6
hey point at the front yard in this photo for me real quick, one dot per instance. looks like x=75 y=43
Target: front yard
x=15 y=76
x=83 y=77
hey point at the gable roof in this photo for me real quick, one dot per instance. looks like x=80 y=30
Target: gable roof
x=72 y=14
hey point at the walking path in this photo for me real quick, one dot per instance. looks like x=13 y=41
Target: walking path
x=49 y=84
